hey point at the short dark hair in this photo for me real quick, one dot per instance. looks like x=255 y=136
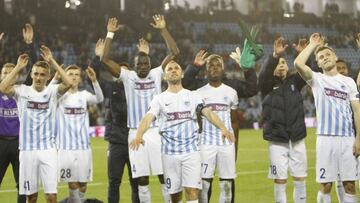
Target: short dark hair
x=73 y=67
x=320 y=48
x=43 y=64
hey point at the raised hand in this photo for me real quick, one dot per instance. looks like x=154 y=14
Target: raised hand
x=143 y=46
x=316 y=39
x=28 y=33
x=113 y=25
x=357 y=40
x=1 y=35
x=279 y=47
x=91 y=74
x=46 y=53
x=159 y=22
x=22 y=61
x=302 y=43
x=99 y=47
x=236 y=55
x=200 y=58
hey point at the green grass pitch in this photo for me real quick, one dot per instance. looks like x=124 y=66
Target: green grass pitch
x=252 y=184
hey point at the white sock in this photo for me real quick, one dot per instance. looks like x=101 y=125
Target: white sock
x=74 y=196
x=225 y=191
x=299 y=192
x=203 y=197
x=323 y=198
x=340 y=191
x=165 y=193
x=82 y=196
x=144 y=194
x=280 y=193
x=348 y=198
x=193 y=201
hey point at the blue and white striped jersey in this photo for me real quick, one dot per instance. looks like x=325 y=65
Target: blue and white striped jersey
x=73 y=119
x=139 y=92
x=176 y=113
x=220 y=100
x=37 y=113
x=332 y=96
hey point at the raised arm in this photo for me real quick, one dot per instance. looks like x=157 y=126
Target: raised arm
x=66 y=83
x=160 y=23
x=358 y=40
x=7 y=85
x=110 y=65
x=300 y=61
x=143 y=126
x=189 y=81
x=98 y=97
x=1 y=36
x=215 y=120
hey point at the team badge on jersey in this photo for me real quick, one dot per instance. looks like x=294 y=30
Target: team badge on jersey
x=187 y=103
x=226 y=98
x=343 y=87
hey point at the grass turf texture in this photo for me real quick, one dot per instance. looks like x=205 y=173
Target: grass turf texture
x=252 y=184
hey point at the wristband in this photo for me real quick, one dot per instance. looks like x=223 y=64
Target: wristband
x=110 y=35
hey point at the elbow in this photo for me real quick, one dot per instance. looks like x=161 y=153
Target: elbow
x=298 y=64
x=176 y=52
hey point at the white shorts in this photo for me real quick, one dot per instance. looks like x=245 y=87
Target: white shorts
x=75 y=165
x=182 y=171
x=287 y=156
x=335 y=159
x=146 y=160
x=220 y=157
x=38 y=165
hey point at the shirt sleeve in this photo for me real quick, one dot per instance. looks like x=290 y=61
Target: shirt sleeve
x=19 y=90
x=314 y=81
x=234 y=101
x=97 y=97
x=155 y=106
x=157 y=72
x=354 y=93
x=124 y=74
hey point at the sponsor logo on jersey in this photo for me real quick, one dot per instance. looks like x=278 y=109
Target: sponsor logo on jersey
x=336 y=93
x=144 y=85
x=178 y=115
x=74 y=111
x=37 y=105
x=218 y=107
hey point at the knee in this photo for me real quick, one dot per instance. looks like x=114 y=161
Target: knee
x=32 y=198
x=51 y=198
x=82 y=187
x=144 y=180
x=349 y=187
x=191 y=194
x=280 y=181
x=299 y=178
x=325 y=188
x=73 y=185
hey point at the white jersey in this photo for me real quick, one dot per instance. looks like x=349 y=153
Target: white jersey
x=332 y=96
x=176 y=113
x=73 y=118
x=220 y=100
x=37 y=113
x=139 y=93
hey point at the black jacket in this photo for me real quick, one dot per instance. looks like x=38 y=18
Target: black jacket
x=116 y=130
x=283 y=110
x=244 y=89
